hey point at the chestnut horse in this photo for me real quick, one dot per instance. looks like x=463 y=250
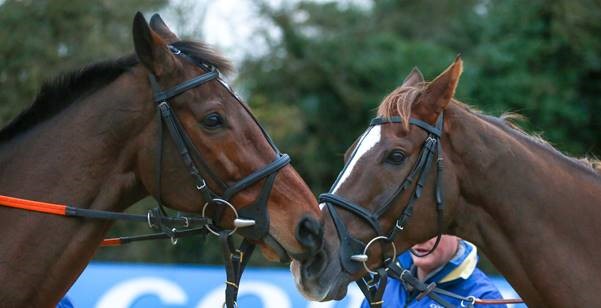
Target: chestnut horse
x=533 y=211
x=92 y=140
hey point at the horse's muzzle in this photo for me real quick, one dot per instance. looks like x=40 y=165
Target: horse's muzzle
x=309 y=233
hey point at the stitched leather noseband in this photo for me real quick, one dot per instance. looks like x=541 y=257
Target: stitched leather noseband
x=353 y=252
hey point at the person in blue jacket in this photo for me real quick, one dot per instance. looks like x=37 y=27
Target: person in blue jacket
x=452 y=266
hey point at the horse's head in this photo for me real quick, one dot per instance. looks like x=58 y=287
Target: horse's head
x=385 y=198
x=203 y=151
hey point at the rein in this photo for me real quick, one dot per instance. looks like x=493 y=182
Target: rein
x=354 y=252
x=194 y=225
x=253 y=227
x=434 y=292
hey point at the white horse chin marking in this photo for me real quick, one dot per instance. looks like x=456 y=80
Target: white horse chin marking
x=295 y=269
x=368 y=142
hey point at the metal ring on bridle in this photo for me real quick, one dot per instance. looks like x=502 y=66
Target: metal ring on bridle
x=471 y=300
x=148 y=217
x=173 y=238
x=220 y=201
x=381 y=237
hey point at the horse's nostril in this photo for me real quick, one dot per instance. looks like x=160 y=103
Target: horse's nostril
x=309 y=233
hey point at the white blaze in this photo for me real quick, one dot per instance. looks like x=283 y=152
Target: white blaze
x=368 y=142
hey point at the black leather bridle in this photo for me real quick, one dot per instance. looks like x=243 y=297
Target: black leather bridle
x=253 y=220
x=353 y=252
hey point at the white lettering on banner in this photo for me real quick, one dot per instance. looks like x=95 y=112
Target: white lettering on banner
x=118 y=286
x=270 y=295
x=124 y=294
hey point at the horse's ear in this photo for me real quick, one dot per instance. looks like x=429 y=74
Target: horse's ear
x=159 y=26
x=151 y=49
x=439 y=92
x=414 y=79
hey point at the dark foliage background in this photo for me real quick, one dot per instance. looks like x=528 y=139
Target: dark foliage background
x=331 y=63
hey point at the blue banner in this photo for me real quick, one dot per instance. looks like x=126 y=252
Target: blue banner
x=110 y=285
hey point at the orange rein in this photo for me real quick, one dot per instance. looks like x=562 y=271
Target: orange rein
x=108 y=242
x=35 y=206
x=48 y=208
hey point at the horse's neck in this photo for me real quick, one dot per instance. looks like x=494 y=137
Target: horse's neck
x=534 y=213
x=83 y=157
x=68 y=158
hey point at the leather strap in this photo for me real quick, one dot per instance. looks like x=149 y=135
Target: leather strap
x=163 y=95
x=433 y=291
x=280 y=162
x=235 y=263
x=373 y=288
x=118 y=241
x=361 y=212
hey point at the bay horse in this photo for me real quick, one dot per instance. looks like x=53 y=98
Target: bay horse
x=93 y=139
x=534 y=212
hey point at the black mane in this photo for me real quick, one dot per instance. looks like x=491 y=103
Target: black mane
x=59 y=93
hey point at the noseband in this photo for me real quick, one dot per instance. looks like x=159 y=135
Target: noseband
x=353 y=252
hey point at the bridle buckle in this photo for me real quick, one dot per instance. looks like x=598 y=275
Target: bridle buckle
x=399 y=227
x=174 y=237
x=203 y=186
x=149 y=219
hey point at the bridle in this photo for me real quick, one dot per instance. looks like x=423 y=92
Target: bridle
x=256 y=221
x=252 y=221
x=353 y=252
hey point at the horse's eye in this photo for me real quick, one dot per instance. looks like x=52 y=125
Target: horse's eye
x=212 y=121
x=396 y=157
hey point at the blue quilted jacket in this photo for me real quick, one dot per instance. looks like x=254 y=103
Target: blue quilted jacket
x=460 y=275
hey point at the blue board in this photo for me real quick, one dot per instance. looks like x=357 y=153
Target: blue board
x=113 y=285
